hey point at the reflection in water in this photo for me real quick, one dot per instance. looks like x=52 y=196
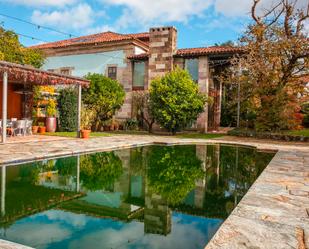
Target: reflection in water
x=147 y=197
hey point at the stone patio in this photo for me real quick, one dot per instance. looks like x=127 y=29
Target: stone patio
x=273 y=214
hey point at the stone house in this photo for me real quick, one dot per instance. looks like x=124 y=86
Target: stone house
x=135 y=59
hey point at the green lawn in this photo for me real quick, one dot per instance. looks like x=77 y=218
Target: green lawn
x=304 y=132
x=112 y=133
x=199 y=135
x=73 y=134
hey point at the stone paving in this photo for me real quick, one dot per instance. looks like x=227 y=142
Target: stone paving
x=4 y=244
x=273 y=214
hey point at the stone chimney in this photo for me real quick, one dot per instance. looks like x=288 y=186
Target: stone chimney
x=162 y=47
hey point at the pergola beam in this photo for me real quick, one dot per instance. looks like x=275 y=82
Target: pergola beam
x=4 y=105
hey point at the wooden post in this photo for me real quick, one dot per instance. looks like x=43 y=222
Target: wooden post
x=79 y=107
x=4 y=105
x=238 y=104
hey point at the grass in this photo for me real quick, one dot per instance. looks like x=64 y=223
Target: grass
x=199 y=135
x=111 y=133
x=304 y=132
x=73 y=134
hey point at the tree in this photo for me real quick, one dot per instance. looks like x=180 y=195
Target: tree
x=12 y=51
x=67 y=102
x=228 y=43
x=175 y=100
x=275 y=59
x=104 y=95
x=141 y=108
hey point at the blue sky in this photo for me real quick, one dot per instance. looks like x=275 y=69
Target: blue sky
x=199 y=22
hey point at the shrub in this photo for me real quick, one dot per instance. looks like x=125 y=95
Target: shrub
x=51 y=108
x=87 y=117
x=141 y=109
x=104 y=95
x=305 y=111
x=67 y=107
x=175 y=100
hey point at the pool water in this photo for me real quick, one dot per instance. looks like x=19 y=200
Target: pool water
x=144 y=197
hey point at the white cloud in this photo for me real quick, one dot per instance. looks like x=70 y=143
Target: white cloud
x=243 y=7
x=99 y=29
x=149 y=12
x=233 y=8
x=55 y=3
x=80 y=16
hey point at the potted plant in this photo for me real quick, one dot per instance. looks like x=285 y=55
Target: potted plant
x=35 y=127
x=51 y=111
x=87 y=116
x=42 y=128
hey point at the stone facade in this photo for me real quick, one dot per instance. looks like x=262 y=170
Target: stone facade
x=162 y=47
x=160 y=56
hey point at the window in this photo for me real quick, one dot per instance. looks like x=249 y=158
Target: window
x=192 y=66
x=139 y=74
x=112 y=73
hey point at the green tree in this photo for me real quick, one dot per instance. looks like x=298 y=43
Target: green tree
x=104 y=95
x=175 y=100
x=67 y=102
x=12 y=51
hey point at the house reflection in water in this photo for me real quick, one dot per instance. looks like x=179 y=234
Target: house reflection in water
x=161 y=187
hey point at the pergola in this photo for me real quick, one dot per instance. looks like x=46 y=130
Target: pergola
x=27 y=75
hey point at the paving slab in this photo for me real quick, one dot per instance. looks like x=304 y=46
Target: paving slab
x=4 y=244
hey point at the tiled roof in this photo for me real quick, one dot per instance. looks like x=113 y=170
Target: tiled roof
x=194 y=52
x=208 y=50
x=105 y=37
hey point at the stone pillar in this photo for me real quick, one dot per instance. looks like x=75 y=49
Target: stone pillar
x=162 y=47
x=203 y=84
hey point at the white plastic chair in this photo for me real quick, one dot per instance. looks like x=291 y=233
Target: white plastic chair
x=20 y=126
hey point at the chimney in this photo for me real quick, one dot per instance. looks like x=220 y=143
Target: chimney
x=162 y=47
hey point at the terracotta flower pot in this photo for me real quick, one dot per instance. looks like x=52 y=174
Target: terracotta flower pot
x=51 y=124
x=85 y=133
x=35 y=129
x=42 y=129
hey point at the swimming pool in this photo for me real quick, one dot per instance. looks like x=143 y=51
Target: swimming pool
x=143 y=197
